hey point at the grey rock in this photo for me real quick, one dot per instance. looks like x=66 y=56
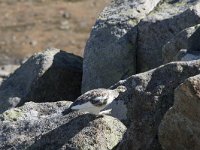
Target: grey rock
x=180 y=128
x=110 y=53
x=185 y=55
x=34 y=111
x=180 y=54
x=149 y=95
x=194 y=41
x=129 y=35
x=170 y=51
x=162 y=24
x=47 y=129
x=51 y=75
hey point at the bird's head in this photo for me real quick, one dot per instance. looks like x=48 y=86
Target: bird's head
x=121 y=89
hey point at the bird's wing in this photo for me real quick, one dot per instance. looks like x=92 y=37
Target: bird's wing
x=95 y=97
x=99 y=100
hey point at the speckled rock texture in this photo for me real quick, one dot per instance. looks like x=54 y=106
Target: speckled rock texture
x=149 y=95
x=180 y=128
x=34 y=111
x=51 y=75
x=129 y=35
x=162 y=24
x=183 y=40
x=110 y=53
x=42 y=127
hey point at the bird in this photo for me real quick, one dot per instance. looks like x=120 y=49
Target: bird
x=95 y=100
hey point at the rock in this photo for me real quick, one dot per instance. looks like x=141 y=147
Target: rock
x=6 y=70
x=65 y=14
x=65 y=25
x=180 y=41
x=149 y=95
x=51 y=75
x=180 y=128
x=194 y=40
x=185 y=55
x=35 y=111
x=162 y=24
x=129 y=35
x=54 y=131
x=110 y=53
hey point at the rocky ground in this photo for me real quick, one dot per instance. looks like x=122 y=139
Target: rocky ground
x=27 y=26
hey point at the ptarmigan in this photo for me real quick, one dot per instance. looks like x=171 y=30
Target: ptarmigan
x=95 y=100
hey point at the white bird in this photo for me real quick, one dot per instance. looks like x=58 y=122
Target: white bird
x=95 y=100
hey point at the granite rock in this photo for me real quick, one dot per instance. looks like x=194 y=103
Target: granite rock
x=51 y=75
x=180 y=127
x=42 y=126
x=148 y=97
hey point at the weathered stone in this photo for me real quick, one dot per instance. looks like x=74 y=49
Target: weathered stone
x=180 y=128
x=35 y=111
x=170 y=51
x=194 y=41
x=110 y=53
x=185 y=55
x=149 y=95
x=41 y=126
x=51 y=75
x=161 y=25
x=129 y=35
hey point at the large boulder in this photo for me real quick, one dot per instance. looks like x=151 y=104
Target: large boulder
x=34 y=111
x=110 y=53
x=180 y=128
x=149 y=95
x=129 y=35
x=162 y=24
x=41 y=126
x=183 y=40
x=51 y=75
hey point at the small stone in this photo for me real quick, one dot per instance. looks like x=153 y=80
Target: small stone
x=33 y=43
x=65 y=25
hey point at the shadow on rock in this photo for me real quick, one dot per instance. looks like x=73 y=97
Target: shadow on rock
x=51 y=75
x=63 y=135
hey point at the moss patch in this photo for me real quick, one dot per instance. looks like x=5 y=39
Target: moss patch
x=12 y=115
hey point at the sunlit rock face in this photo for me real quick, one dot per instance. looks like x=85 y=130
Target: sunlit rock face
x=128 y=38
